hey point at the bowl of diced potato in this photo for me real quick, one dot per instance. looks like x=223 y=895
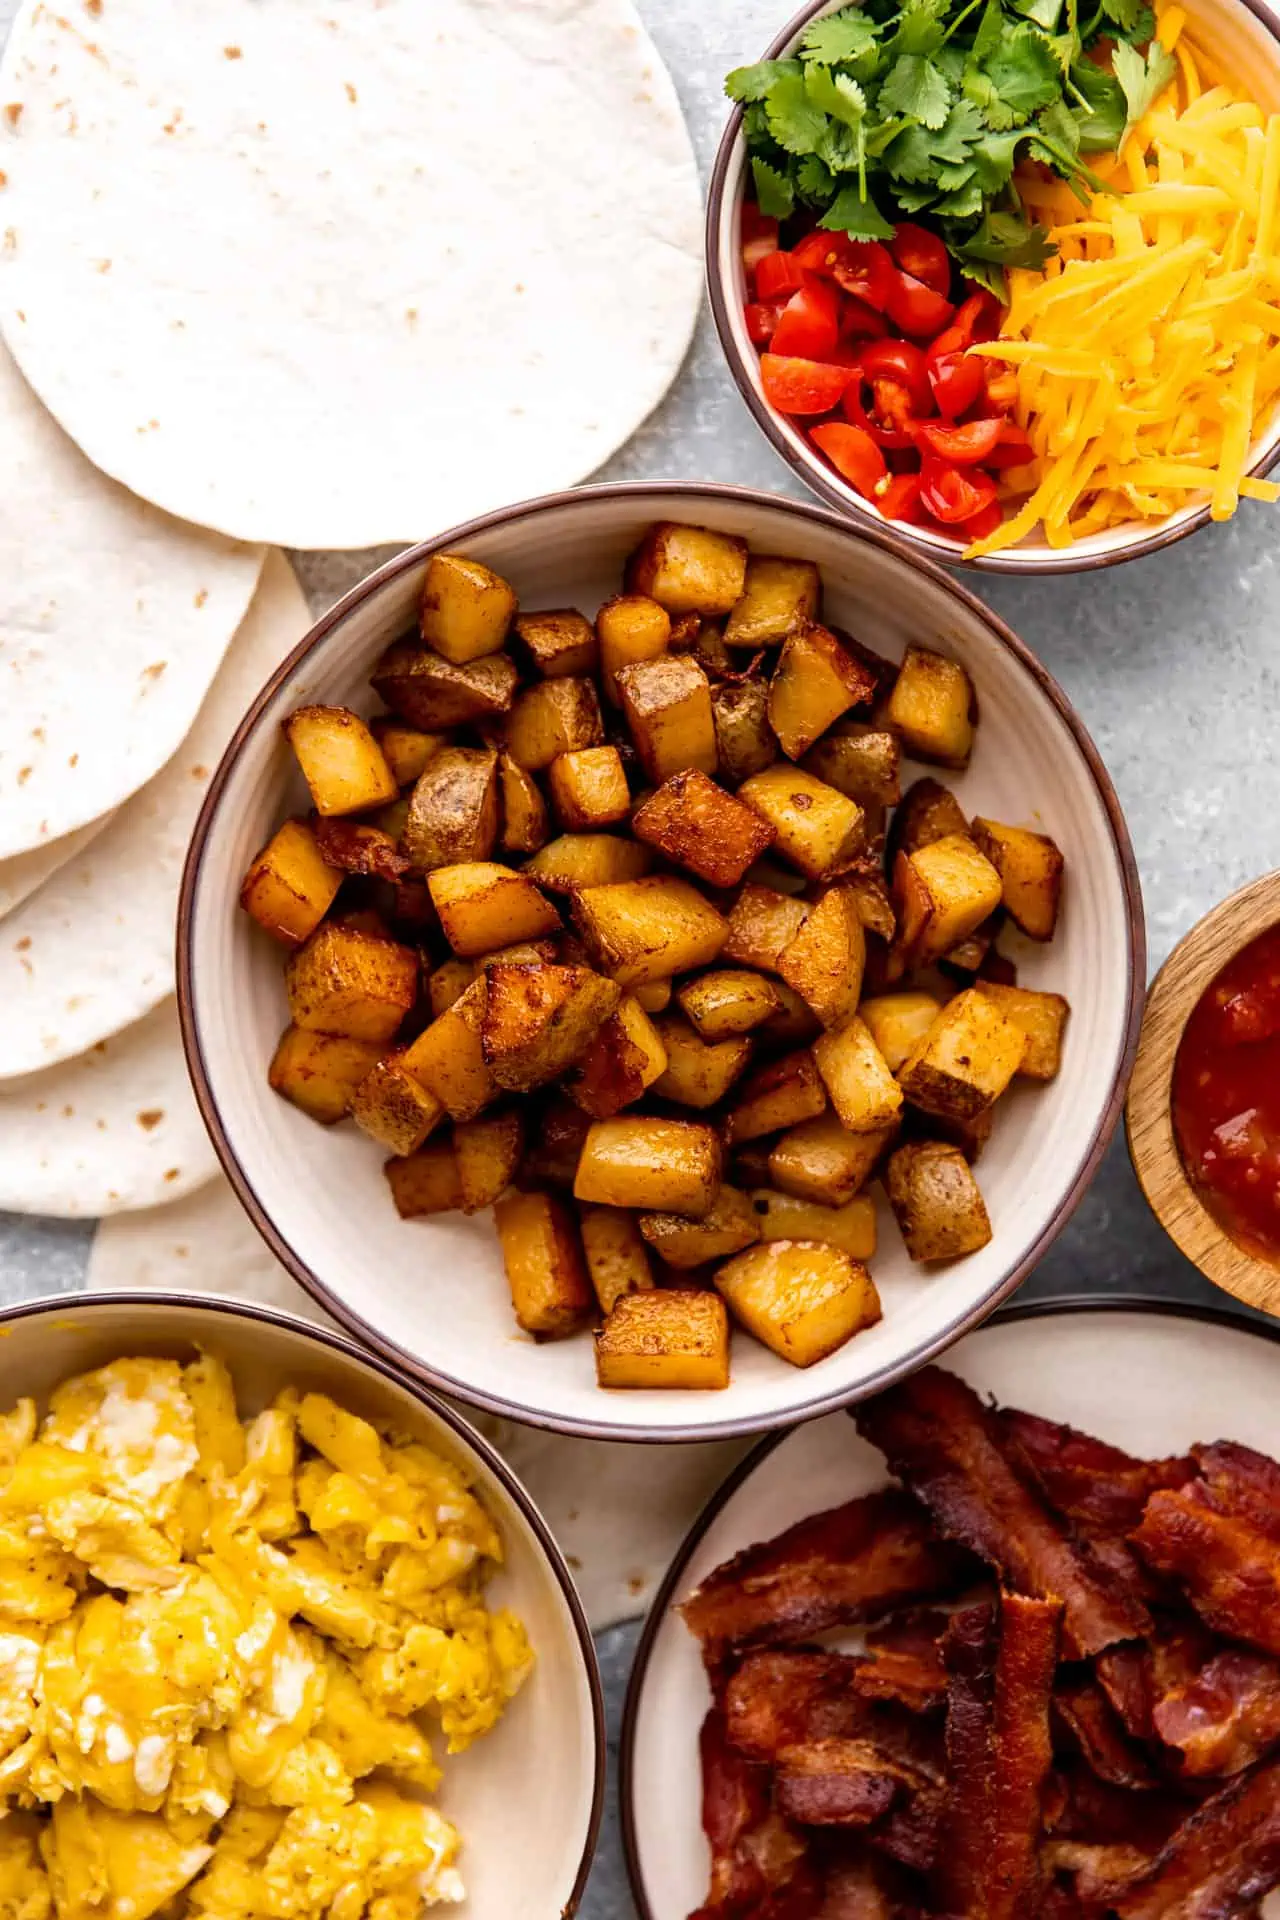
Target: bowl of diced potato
x=660 y=962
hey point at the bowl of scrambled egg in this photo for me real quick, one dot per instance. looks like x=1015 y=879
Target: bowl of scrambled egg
x=281 y=1638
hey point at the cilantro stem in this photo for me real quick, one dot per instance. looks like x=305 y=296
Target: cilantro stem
x=960 y=19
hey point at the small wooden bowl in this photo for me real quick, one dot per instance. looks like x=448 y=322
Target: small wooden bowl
x=1175 y=993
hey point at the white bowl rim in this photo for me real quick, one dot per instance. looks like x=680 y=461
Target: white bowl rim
x=963 y=1322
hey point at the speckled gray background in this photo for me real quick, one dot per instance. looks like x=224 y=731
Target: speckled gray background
x=1173 y=663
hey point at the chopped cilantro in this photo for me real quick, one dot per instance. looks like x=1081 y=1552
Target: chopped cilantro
x=1143 y=81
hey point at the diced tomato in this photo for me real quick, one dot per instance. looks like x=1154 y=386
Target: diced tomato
x=956 y=382
x=985 y=521
x=779 y=274
x=762 y=318
x=923 y=255
x=978 y=317
x=953 y=494
x=859 y=321
x=1002 y=387
x=916 y=308
x=862 y=267
x=801 y=386
x=853 y=454
x=759 y=236
x=810 y=323
x=899 y=360
x=1013 y=449
x=966 y=446
x=898 y=496
x=890 y=421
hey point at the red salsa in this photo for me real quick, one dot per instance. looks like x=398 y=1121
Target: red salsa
x=1226 y=1097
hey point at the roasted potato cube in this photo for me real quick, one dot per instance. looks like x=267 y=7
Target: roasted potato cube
x=912 y=909
x=555 y=717
x=929 y=811
x=1030 y=867
x=821 y=1161
x=728 y=1002
x=795 y=1023
x=965 y=1060
x=466 y=610
x=875 y=907
x=578 y=860
x=342 y=764
x=539 y=1019
x=554 y=1138
x=431 y=692
x=319 y=1072
x=744 y=738
x=802 y=1299
x=290 y=886
x=488 y=1153
x=851 y=1227
x=670 y=1339
x=524 y=811
x=702 y=641
x=854 y=1072
x=392 y=819
x=447 y=984
x=630 y=628
x=936 y=1202
x=351 y=983
x=617 y=1258
x=817 y=829
x=649 y=929
x=394 y=1108
x=971 y=1136
x=861 y=761
x=696 y=824
x=559 y=642
x=1040 y=1017
x=898 y=1022
x=932 y=706
x=453 y=811
x=730 y=1226
x=779 y=598
x=667 y=1166
x=426 y=1181
x=625 y=1057
x=964 y=960
x=963 y=890
x=667 y=706
x=653 y=995
x=689 y=569
x=762 y=925
x=405 y=749
x=482 y=905
x=825 y=961
x=815 y=682
x=589 y=788
x=698 y=1072
x=523 y=953
x=546 y=1272
x=780 y=1094
x=355 y=847
x=448 y=1059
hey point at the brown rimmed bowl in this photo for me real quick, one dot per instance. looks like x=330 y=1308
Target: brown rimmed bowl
x=528 y=1797
x=431 y=1294
x=1175 y=994
x=1245 y=36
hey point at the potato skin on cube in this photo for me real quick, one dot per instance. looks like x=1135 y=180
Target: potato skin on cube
x=936 y=1202
x=817 y=829
x=820 y=1160
x=824 y=964
x=355 y=847
x=689 y=569
x=853 y=1070
x=343 y=765
x=851 y=1227
x=642 y=930
x=698 y=1072
x=696 y=824
x=932 y=707
x=524 y=811
x=425 y=1182
x=801 y=1298
x=546 y=1271
x=431 y=692
x=898 y=1022
x=617 y=1258
x=744 y=738
x=762 y=925
x=861 y=761
x=666 y=1166
x=1042 y=1018
x=589 y=787
x=394 y=1108
x=673 y=1338
x=447 y=1058
x=779 y=597
x=928 y=811
x=1031 y=867
x=483 y=905
x=487 y=1152
x=560 y=641
x=351 y=983
x=965 y=1060
x=578 y=860
x=620 y=1064
x=466 y=610
x=780 y=1094
x=630 y=628
x=685 y=1244
x=555 y=717
x=815 y=682
x=453 y=810
x=667 y=706
x=447 y=984
x=320 y=1072
x=539 y=1019
x=290 y=886
x=727 y=1002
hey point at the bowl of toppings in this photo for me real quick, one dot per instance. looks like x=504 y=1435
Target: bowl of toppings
x=1009 y=1647
x=732 y=907
x=281 y=1632
x=1203 y=1112
x=1006 y=276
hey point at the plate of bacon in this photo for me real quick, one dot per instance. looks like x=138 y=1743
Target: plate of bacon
x=1002 y=1643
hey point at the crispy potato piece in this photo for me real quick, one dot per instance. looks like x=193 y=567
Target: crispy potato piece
x=617 y=1258
x=779 y=598
x=630 y=628
x=426 y=1181
x=488 y=1153
x=936 y=1202
x=453 y=810
x=817 y=829
x=698 y=1072
x=723 y=1004
x=875 y=907
x=482 y=905
x=554 y=1138
x=578 y=860
x=730 y=1226
x=653 y=995
x=962 y=961
x=290 y=886
x=393 y=1107
x=667 y=705
x=466 y=610
x=625 y=1057
x=815 y=682
x=863 y=1091
x=913 y=910
x=932 y=706
x=448 y=1059
x=949 y=888
x=589 y=788
x=392 y=819
x=696 y=824
x=546 y=1272
x=965 y=1060
x=342 y=764
x=899 y=1021
x=862 y=761
x=1040 y=1017
x=780 y=1094
x=668 y=1166
x=524 y=811
x=929 y=811
x=354 y=847
x=431 y=692
x=1030 y=866
x=744 y=738
x=672 y=1338
x=795 y=1023
x=821 y=1161
x=555 y=717
x=319 y=1072
x=851 y=1227
x=558 y=642
x=689 y=569
x=971 y=1136
x=762 y=925
x=649 y=929
x=824 y=963
x=802 y=1299
x=351 y=983
x=539 y=1019
x=447 y=984
x=523 y=953
x=405 y=749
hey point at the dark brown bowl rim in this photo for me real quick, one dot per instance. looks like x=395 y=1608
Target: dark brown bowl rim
x=1238 y=1321
x=65 y=1306
x=1135 y=948
x=811 y=471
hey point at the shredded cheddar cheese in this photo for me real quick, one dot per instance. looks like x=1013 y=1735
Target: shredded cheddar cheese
x=1147 y=354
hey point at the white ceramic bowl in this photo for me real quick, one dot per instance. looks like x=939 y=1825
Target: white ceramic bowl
x=1245 y=37
x=432 y=1293
x=527 y=1798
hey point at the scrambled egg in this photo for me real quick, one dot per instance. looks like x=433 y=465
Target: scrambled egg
x=223 y=1647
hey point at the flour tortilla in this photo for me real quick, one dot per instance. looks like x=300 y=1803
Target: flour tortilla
x=22 y=873
x=329 y=276
x=93 y=951
x=113 y=619
x=117 y=1128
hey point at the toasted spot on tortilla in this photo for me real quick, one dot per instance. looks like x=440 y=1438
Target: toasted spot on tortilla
x=149 y=1119
x=154 y=671
x=74 y=760
x=233 y=53
x=201 y=596
x=13 y=112
x=24 y=774
x=4 y=178
x=172 y=1173
x=350 y=92
x=199 y=773
x=20 y=946
x=93 y=6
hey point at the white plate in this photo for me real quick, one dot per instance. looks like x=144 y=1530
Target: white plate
x=1151 y=1379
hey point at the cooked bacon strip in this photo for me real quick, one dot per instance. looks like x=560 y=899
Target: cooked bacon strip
x=1081 y=1707
x=1134 y=1677
x=912 y=1834
x=1096 y=1870
x=754 y=1854
x=839 y=1783
x=1247 y=1482
x=1099 y=1487
x=848 y=1564
x=969 y=1651
x=1225 y=1856
x=1021 y=1752
x=904 y=1661
x=357 y=848
x=1228 y=1568
x=859 y=1887
x=1079 y=1806
x=781 y=1699
x=1224 y=1718
x=953 y=1453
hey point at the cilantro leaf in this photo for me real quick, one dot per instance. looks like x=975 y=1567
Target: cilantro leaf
x=1102 y=117
x=910 y=156
x=1142 y=81
x=983 y=96
x=916 y=88
x=836 y=94
x=962 y=203
x=846 y=35
x=990 y=277
x=1133 y=18
x=962 y=127
x=1045 y=13
x=860 y=218
x=795 y=123
x=915 y=199
x=949 y=178
x=989 y=34
x=775 y=195
x=921 y=27
x=1007 y=240
x=993 y=158
x=1023 y=71
x=753 y=83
